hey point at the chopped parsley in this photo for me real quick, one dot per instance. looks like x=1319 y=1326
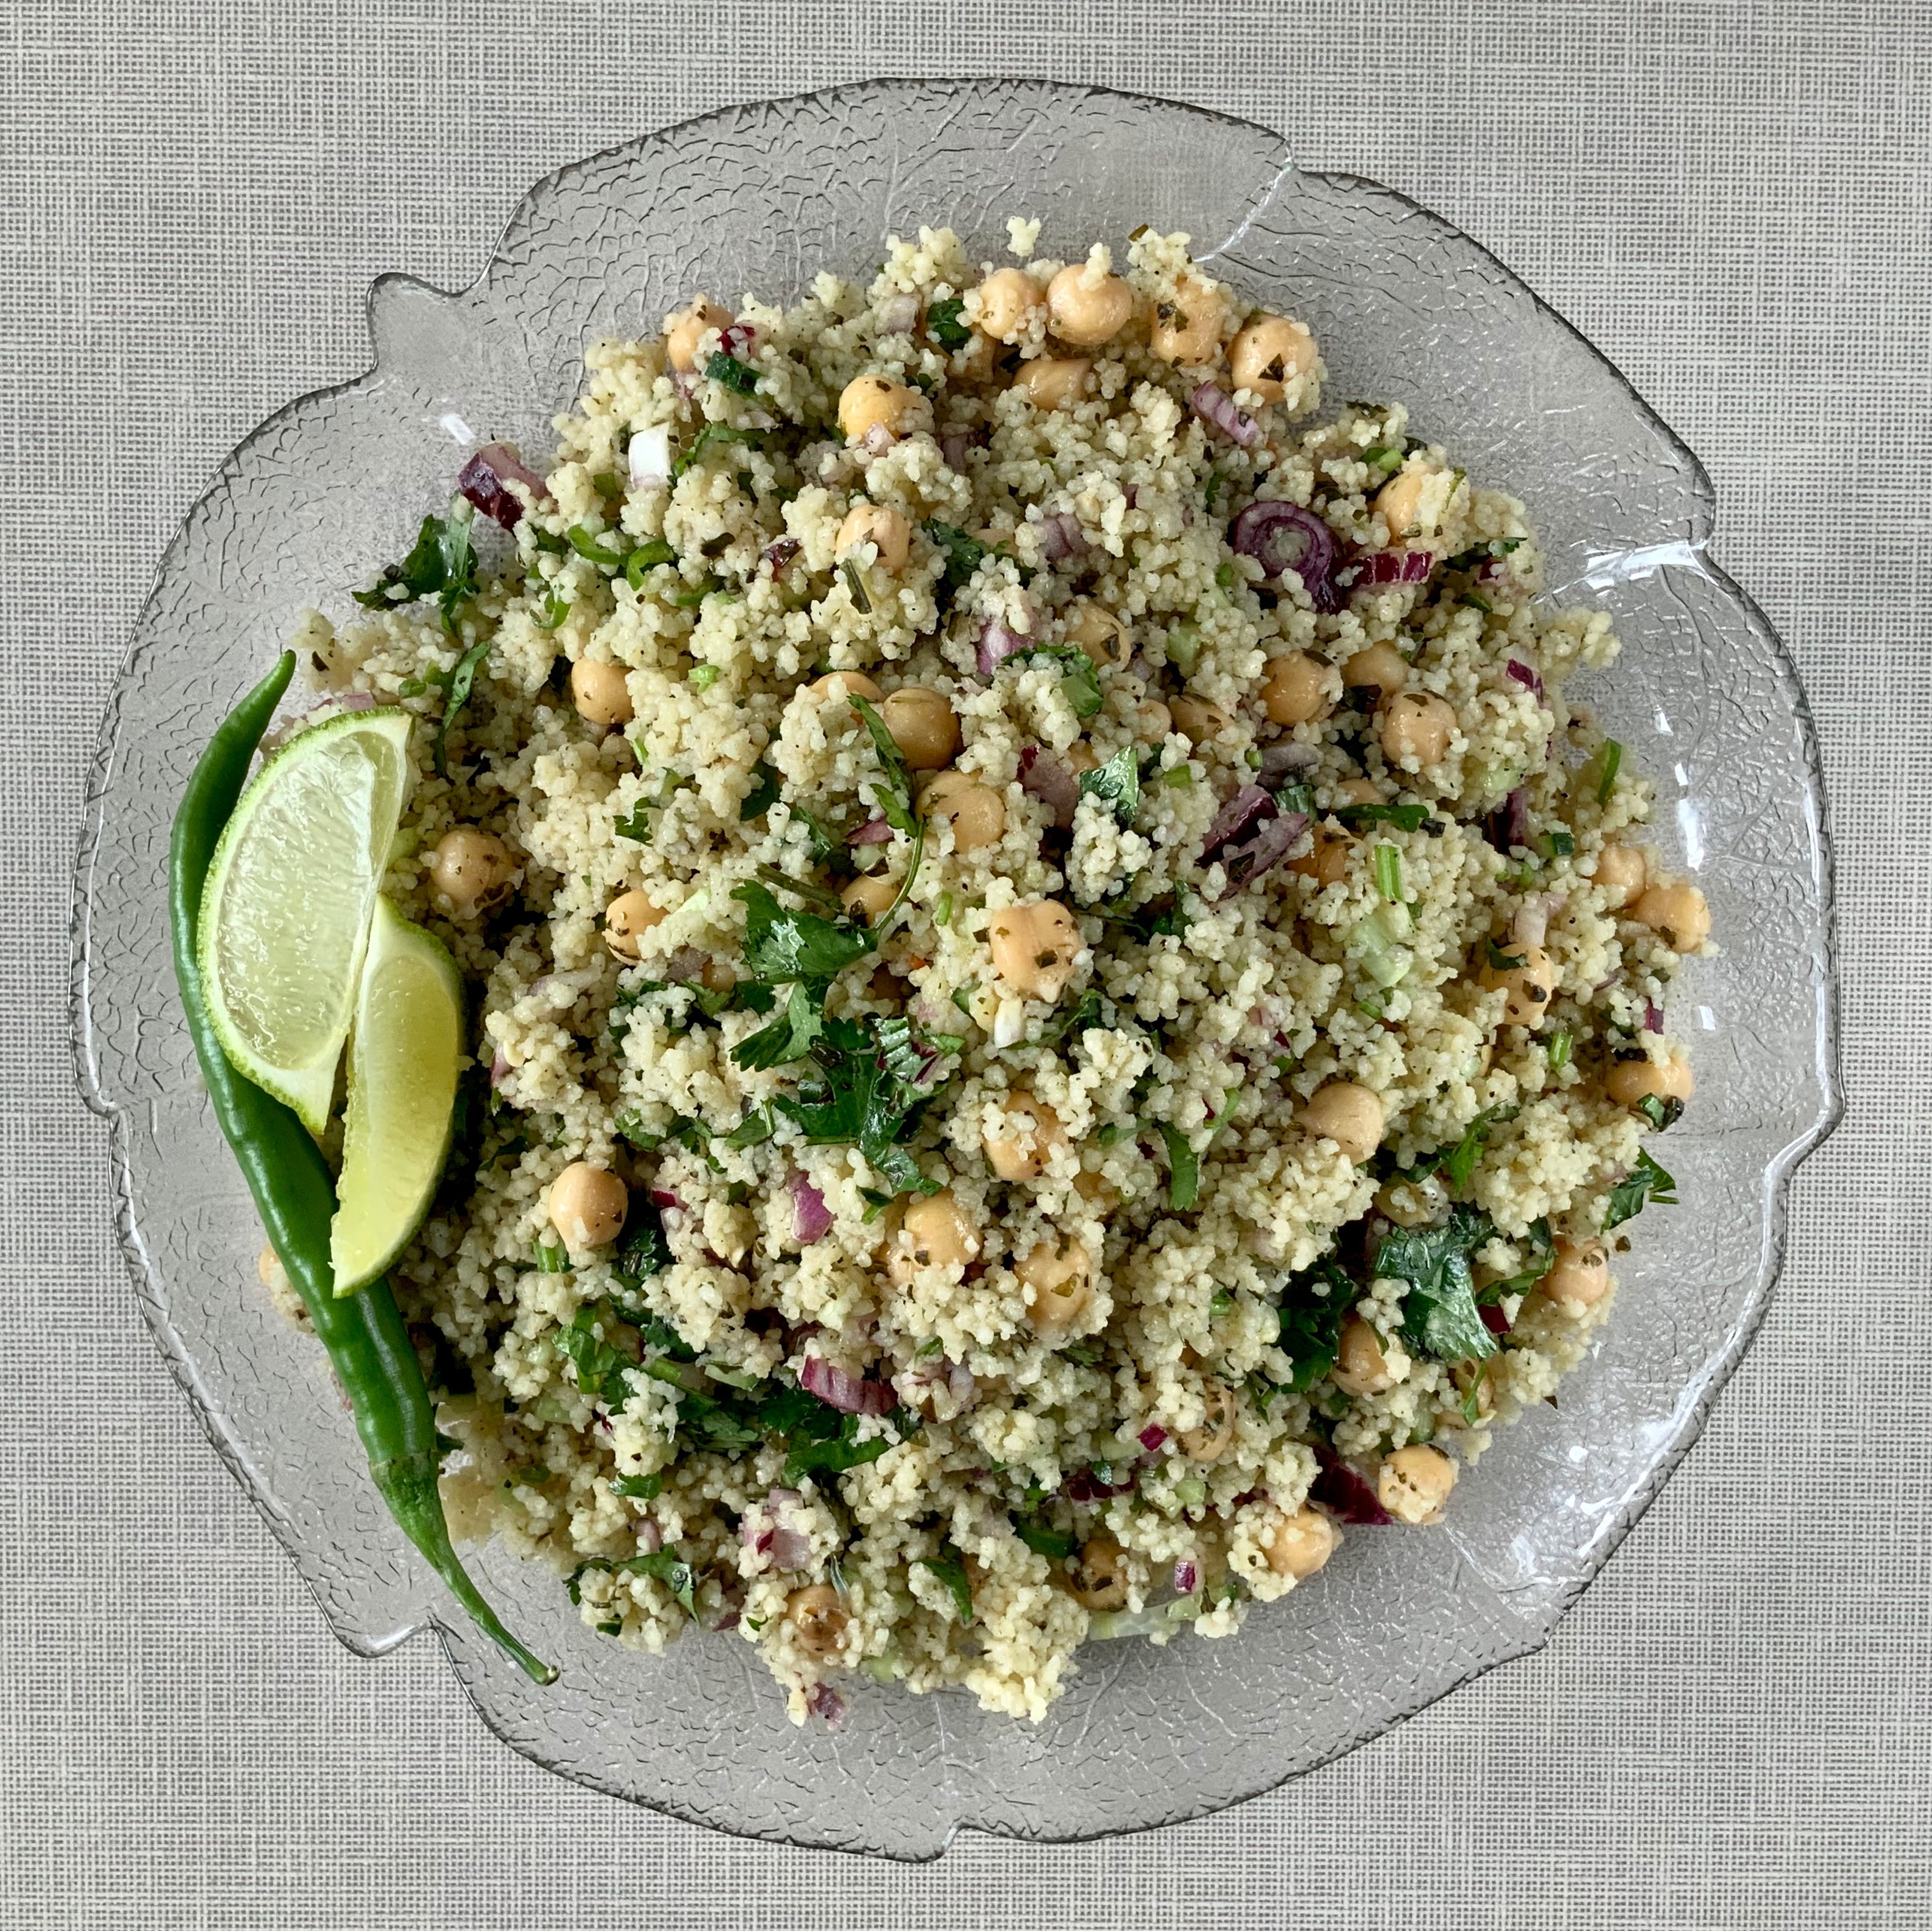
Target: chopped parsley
x=1647 y=1182
x=732 y=373
x=895 y=798
x=944 y=323
x=1404 y=817
x=1183 y=1168
x=1056 y=1545
x=1079 y=680
x=1118 y=783
x=951 y=1571
x=1312 y=1311
x=782 y=945
x=1439 y=1315
x=963 y=555
x=642 y=1249
x=855 y=584
x=1542 y=1258
x=441 y=563
x=666 y=1564
x=1659 y=1111
x=859 y=1094
x=1499 y=960
x=762 y=795
x=638 y=1488
x=1457 y=1160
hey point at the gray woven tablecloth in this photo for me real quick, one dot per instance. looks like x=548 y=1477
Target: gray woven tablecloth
x=1735 y=1728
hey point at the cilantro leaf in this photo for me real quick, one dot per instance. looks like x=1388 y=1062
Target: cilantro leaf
x=457 y=695
x=943 y=325
x=894 y=797
x=1056 y=1545
x=1457 y=1161
x=963 y=555
x=1499 y=960
x=1079 y=680
x=1084 y=1014
x=638 y=1488
x=1317 y=1303
x=762 y=795
x=1183 y=1164
x=666 y=1564
x=441 y=563
x=1659 y=1111
x=1166 y=915
x=1647 y=1182
x=1543 y=1258
x=1439 y=1315
x=600 y=1370
x=856 y=1098
x=720 y=367
x=642 y=1249
x=781 y=945
x=1117 y=781
x=951 y=1570
x=791 y=1036
x=1404 y=817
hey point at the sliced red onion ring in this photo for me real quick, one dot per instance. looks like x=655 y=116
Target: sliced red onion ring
x=499 y=1068
x=1393 y=566
x=1249 y=804
x=848 y=1393
x=811 y=1218
x=1061 y=537
x=736 y=341
x=1284 y=760
x=666 y=1201
x=1653 y=1017
x=650 y=458
x=1215 y=407
x=873 y=831
x=996 y=644
x=1046 y=778
x=1187 y=1578
x=1525 y=674
x=485 y=480
x=898 y=315
x=1343 y=1493
x=822 y=1701
x=1283 y=537
x=1152 y=1437
x=1274 y=838
x=782 y=554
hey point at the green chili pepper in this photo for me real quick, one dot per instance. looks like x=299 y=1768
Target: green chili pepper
x=368 y=1345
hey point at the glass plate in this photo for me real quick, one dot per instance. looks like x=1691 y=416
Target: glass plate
x=757 y=199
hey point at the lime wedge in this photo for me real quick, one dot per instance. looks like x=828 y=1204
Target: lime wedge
x=403 y=1054
x=285 y=915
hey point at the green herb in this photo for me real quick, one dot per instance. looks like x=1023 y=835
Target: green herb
x=1382 y=457
x=1476 y=601
x=441 y=563
x=791 y=1036
x=1439 y=1315
x=1457 y=1160
x=1659 y=1111
x=1226 y=576
x=1118 y=782
x=1079 y=679
x=638 y=1488
x=1404 y=817
x=1115 y=1131
x=634 y=825
x=1610 y=760
x=600 y=1370
x=943 y=325
x=587 y=543
x=962 y=998
x=457 y=695
x=862 y=1095
x=1056 y=1545
x=1317 y=1302
x=1220 y=1305
x=720 y=367
x=555 y=608
x=1559 y=1048
x=1467 y=559
x=667 y=1565
x=711 y=433
x=1183 y=1165
x=1557 y=843
x=1542 y=1258
x=1084 y=1014
x=963 y=555
x=1388 y=873
x=752 y=1130
x=942 y=911
x=951 y=1571
x=1165 y=916
x=1178 y=777
x=641 y=1249
x=1499 y=960
x=647 y=557
x=782 y=945
x=1183 y=649
x=1296 y=798
x=1648 y=1183
x=856 y=584
x=762 y=795
x=703 y=675
x=896 y=800
x=552 y=1257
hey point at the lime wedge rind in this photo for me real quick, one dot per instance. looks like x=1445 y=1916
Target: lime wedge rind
x=405 y=1054
x=285 y=916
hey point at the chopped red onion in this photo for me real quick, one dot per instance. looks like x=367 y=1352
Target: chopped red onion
x=782 y=554
x=1653 y=1017
x=1508 y=826
x=1343 y=1493
x=685 y=964
x=1530 y=925
x=1151 y=1437
x=1187 y=1578
x=1061 y=537
x=1049 y=780
x=1213 y=406
x=789 y=1548
x=650 y=458
x=1494 y=1319
x=959 y=1379
x=953 y=445
x=686 y=382
x=822 y=1701
x=1248 y=805
x=877 y=440
x=665 y=1200
x=848 y=1393
x=736 y=341
x=811 y=1218
x=873 y=831
x=1273 y=841
x=1284 y=759
x=499 y=1068
x=485 y=480
x=1085 y=1487
x=996 y=644
x=650 y=1537
x=898 y=315
x=1525 y=674
x=1283 y=537
x=1393 y=566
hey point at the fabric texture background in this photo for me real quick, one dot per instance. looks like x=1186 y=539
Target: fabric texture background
x=1731 y=200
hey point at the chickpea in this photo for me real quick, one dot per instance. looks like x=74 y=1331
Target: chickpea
x=1098 y=1577
x=587 y=1205
x=601 y=691
x=934 y=1233
x=626 y=919
x=1676 y=913
x=1052 y=382
x=1379 y=667
x=1187 y=326
x=1529 y=986
x=1008 y=298
x=1327 y=862
x=1028 y=1132
x=1416 y=1203
x=1358 y=791
x=1033 y=947
x=1081 y=757
x=1058 y=1277
x=473 y=870
x=1414 y=1483
x=1348 y=1114
x=870 y=895
x=874 y=402
x=886 y=530
x=1301 y=1543
x=1581 y=1277
x=922 y=726
x=1622 y=873
x=977 y=812
x=1199 y=721
x=1088 y=309
x=689 y=327
x=1093 y=629
x=1360 y=1367
x=841 y=684
x=1097 y=1191
x=1152 y=720
x=1295 y=689
x=817 y=1617
x=1269 y=352
x=1630 y=1082
x=1215 y=1435
x=1416 y=730
x=1398 y=501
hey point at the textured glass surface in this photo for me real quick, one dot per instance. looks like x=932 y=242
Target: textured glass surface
x=756 y=199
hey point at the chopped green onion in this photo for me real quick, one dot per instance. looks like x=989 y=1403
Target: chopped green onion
x=1223 y=1303
x=1611 y=756
x=962 y=998
x=1559 y=1049
x=1388 y=873
x=942 y=912
x=1183 y=649
x=703 y=675
x=1252 y=759
x=646 y=557
x=1226 y=577
x=1179 y=778
x=732 y=373
x=552 y=1257
x=585 y=544
x=1559 y=844
x=856 y=584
